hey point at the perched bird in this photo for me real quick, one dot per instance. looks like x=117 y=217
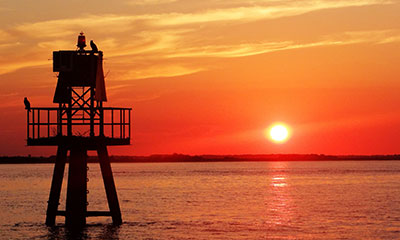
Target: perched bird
x=27 y=104
x=93 y=46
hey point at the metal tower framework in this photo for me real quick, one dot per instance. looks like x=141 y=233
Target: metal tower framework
x=79 y=124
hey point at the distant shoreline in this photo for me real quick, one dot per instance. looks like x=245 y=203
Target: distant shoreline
x=210 y=158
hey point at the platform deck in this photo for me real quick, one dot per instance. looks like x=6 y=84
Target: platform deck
x=90 y=142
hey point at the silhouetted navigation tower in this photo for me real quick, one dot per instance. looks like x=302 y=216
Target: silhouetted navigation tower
x=79 y=123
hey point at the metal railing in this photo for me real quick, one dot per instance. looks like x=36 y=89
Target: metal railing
x=110 y=122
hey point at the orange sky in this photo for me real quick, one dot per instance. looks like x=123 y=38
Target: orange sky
x=207 y=77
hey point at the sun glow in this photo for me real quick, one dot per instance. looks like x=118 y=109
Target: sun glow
x=278 y=133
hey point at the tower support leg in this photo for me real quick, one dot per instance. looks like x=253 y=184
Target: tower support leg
x=56 y=185
x=76 y=205
x=109 y=184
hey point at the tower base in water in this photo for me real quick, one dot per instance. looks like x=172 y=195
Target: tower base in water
x=76 y=205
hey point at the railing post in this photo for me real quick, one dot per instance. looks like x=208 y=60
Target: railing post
x=112 y=123
x=48 y=123
x=69 y=114
x=129 y=123
x=120 y=123
x=101 y=119
x=27 y=123
x=38 y=121
x=33 y=123
x=123 y=111
x=92 y=111
x=59 y=120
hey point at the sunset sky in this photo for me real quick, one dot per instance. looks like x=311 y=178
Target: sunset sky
x=208 y=77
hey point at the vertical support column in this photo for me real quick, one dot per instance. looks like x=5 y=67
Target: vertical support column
x=56 y=184
x=76 y=207
x=109 y=184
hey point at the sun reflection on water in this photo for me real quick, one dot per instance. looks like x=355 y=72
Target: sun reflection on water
x=279 y=201
x=278 y=182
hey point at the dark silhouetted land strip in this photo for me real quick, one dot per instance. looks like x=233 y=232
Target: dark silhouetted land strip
x=210 y=158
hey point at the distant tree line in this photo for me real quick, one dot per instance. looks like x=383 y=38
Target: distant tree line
x=209 y=158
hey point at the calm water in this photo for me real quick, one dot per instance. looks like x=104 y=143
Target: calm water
x=241 y=200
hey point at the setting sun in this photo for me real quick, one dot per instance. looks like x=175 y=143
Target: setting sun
x=278 y=133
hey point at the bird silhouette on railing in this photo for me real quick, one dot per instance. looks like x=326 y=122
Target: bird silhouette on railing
x=27 y=104
x=93 y=46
